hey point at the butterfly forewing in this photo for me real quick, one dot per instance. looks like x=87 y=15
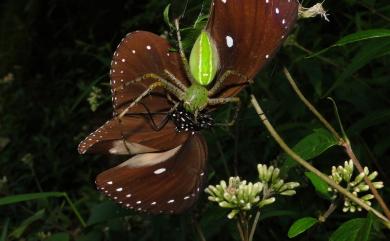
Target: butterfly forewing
x=167 y=182
x=247 y=34
x=141 y=53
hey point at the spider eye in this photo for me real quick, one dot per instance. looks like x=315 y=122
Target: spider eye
x=204 y=59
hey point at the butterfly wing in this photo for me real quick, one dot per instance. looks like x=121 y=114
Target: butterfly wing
x=166 y=182
x=248 y=33
x=132 y=135
x=141 y=53
x=138 y=53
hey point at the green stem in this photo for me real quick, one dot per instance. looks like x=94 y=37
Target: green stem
x=254 y=225
x=73 y=207
x=199 y=231
x=308 y=166
x=239 y=227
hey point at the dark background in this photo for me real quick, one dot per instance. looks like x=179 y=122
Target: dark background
x=52 y=54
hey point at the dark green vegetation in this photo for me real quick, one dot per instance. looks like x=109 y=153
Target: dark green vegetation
x=54 y=53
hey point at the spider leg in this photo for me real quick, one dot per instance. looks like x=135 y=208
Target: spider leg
x=221 y=80
x=221 y=101
x=175 y=80
x=182 y=54
x=163 y=122
x=160 y=82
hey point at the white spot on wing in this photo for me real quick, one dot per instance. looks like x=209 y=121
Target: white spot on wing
x=159 y=171
x=109 y=182
x=229 y=41
x=277 y=10
x=171 y=201
x=119 y=189
x=149 y=47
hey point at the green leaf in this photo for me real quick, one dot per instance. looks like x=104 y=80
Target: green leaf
x=312 y=146
x=356 y=37
x=370 y=51
x=3 y=236
x=59 y=237
x=91 y=236
x=300 y=226
x=18 y=232
x=29 y=197
x=371 y=119
x=106 y=211
x=166 y=16
x=353 y=230
x=319 y=185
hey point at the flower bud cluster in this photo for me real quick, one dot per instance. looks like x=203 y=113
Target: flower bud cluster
x=270 y=178
x=241 y=196
x=343 y=175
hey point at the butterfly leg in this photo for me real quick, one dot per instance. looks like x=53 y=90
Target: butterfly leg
x=221 y=101
x=163 y=122
x=160 y=83
x=221 y=80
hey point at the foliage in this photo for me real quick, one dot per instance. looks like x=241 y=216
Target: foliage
x=54 y=55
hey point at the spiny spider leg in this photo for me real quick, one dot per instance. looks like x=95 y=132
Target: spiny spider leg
x=160 y=83
x=221 y=101
x=182 y=54
x=175 y=80
x=220 y=81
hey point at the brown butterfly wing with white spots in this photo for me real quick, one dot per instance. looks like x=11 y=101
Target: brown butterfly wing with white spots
x=132 y=135
x=247 y=34
x=167 y=182
x=141 y=53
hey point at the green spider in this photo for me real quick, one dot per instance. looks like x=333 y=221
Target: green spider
x=201 y=70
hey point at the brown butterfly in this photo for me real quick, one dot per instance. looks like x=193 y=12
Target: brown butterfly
x=156 y=116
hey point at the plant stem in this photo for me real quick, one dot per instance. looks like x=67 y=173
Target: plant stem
x=254 y=225
x=75 y=210
x=373 y=190
x=310 y=106
x=343 y=141
x=333 y=206
x=199 y=230
x=308 y=166
x=240 y=229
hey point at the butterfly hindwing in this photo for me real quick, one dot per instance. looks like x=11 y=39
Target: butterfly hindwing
x=132 y=135
x=167 y=182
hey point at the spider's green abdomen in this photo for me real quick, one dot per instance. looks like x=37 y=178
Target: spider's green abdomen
x=195 y=98
x=204 y=59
